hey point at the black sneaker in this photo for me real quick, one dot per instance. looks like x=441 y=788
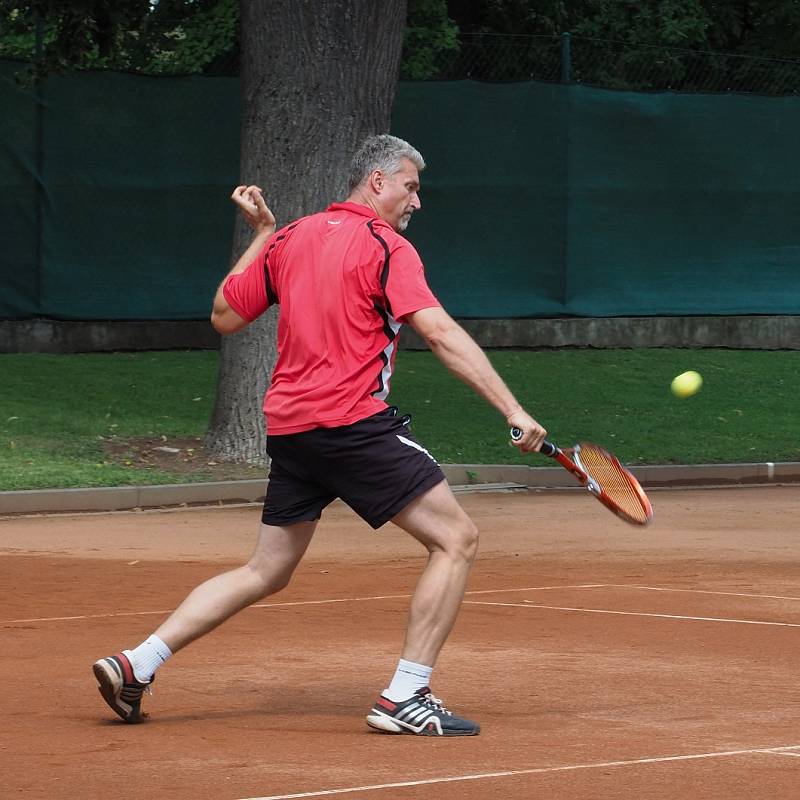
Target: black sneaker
x=120 y=688
x=422 y=714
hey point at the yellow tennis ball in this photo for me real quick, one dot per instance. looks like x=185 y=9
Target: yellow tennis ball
x=686 y=384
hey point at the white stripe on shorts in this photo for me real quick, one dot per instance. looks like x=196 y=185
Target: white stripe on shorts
x=417 y=447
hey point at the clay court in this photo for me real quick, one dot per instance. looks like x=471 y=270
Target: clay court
x=601 y=661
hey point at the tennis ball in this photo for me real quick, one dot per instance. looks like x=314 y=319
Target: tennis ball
x=686 y=384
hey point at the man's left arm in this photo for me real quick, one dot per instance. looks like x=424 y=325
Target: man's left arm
x=460 y=353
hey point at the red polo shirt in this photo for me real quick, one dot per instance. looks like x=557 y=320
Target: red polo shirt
x=344 y=280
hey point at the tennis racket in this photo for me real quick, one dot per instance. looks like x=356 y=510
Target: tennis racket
x=602 y=474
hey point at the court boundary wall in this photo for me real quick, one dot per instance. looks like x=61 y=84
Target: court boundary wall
x=461 y=477
x=752 y=332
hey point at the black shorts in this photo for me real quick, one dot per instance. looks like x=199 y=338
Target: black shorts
x=375 y=465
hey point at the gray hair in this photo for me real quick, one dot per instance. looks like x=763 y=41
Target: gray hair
x=383 y=152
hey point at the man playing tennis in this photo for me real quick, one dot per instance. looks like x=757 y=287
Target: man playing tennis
x=345 y=280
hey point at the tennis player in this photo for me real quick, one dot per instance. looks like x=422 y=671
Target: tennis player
x=345 y=280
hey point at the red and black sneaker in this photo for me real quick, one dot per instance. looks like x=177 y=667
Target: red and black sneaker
x=422 y=715
x=120 y=688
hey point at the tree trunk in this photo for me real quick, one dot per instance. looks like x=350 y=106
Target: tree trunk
x=317 y=77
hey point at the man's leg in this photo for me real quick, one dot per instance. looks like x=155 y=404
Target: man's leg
x=122 y=678
x=277 y=554
x=443 y=527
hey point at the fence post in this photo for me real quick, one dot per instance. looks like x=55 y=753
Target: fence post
x=566 y=58
x=39 y=157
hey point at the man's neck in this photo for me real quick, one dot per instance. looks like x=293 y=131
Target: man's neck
x=360 y=197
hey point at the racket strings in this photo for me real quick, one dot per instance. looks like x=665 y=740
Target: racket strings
x=614 y=480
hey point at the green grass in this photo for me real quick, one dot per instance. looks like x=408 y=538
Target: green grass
x=746 y=410
x=55 y=411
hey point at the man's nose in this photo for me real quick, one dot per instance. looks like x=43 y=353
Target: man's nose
x=415 y=203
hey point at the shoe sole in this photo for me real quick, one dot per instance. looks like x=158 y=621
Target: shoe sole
x=385 y=724
x=109 y=684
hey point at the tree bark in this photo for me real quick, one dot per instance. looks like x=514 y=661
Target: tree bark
x=317 y=77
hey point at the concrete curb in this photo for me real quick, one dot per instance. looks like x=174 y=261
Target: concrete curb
x=462 y=477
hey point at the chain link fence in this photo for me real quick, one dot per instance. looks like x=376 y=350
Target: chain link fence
x=498 y=58
x=615 y=65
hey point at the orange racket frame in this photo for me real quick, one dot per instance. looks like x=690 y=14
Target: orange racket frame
x=625 y=497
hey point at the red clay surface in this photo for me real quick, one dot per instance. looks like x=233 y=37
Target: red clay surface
x=602 y=661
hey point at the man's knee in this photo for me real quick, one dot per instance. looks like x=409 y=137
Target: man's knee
x=472 y=539
x=463 y=539
x=267 y=579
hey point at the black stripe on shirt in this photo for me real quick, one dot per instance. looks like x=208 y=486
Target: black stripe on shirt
x=390 y=335
x=387 y=328
x=275 y=239
x=272 y=295
x=385 y=268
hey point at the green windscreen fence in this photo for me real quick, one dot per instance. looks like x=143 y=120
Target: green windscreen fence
x=547 y=200
x=539 y=200
x=124 y=211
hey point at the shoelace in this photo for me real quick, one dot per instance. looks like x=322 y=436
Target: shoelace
x=436 y=703
x=140 y=688
x=135 y=692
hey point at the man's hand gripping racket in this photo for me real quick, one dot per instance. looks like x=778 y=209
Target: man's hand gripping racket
x=603 y=475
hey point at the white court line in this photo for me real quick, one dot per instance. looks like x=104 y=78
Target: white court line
x=330 y=601
x=541 y=588
x=691 y=591
x=535 y=771
x=84 y=616
x=406 y=596
x=170 y=610
x=326 y=601
x=527 y=604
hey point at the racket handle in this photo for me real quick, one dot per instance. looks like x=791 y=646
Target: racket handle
x=547 y=448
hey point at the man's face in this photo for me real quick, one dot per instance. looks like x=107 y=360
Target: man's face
x=398 y=198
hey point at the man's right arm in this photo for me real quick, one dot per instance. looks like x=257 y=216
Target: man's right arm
x=459 y=352
x=223 y=317
x=258 y=216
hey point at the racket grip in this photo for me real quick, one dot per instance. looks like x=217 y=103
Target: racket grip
x=547 y=448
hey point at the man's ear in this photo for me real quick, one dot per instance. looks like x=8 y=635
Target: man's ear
x=376 y=181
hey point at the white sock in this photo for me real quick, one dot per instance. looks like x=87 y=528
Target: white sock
x=407 y=679
x=148 y=657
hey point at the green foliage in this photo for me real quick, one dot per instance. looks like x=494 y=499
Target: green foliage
x=669 y=22
x=79 y=35
x=755 y=27
x=675 y=23
x=172 y=36
x=766 y=27
x=195 y=36
x=17 y=36
x=430 y=38
x=546 y=17
x=197 y=40
x=641 y=44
